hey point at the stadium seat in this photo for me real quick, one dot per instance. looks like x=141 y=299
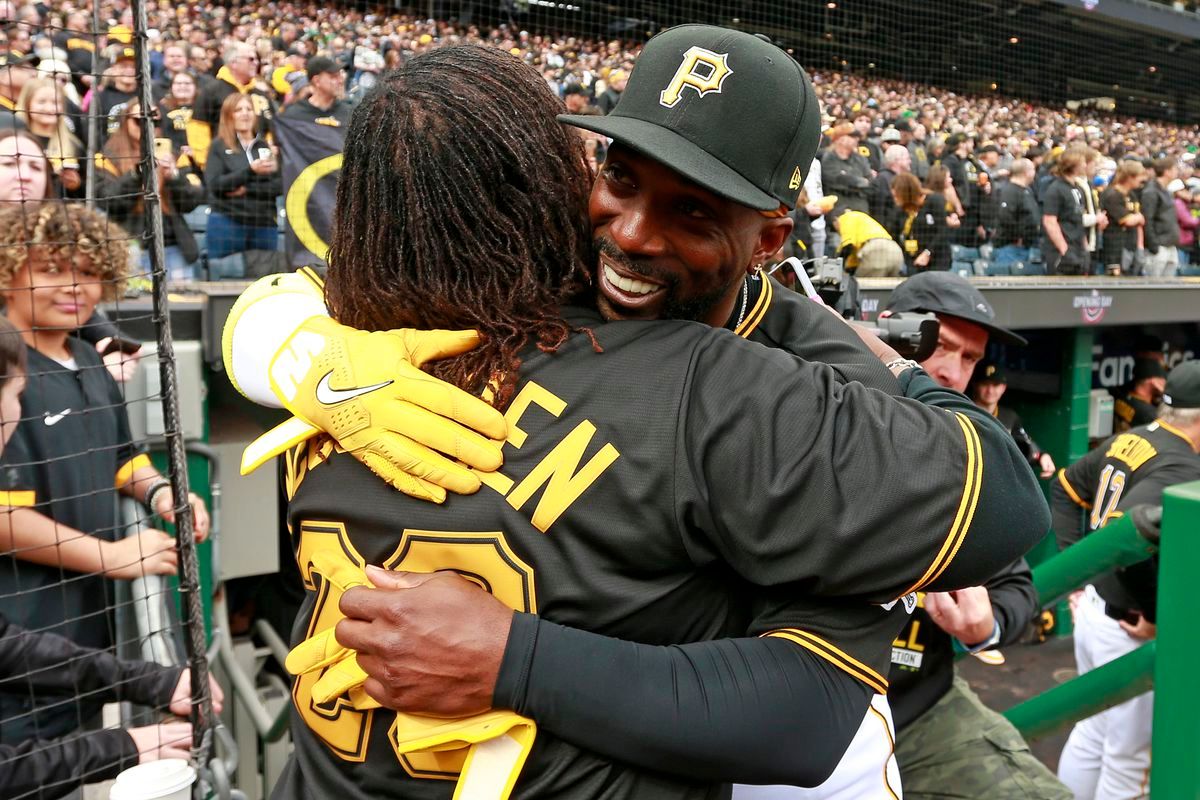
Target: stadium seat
x=960 y=253
x=1189 y=270
x=1031 y=268
x=964 y=268
x=1005 y=268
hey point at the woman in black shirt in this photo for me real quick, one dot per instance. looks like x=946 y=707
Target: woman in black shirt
x=918 y=224
x=1122 y=201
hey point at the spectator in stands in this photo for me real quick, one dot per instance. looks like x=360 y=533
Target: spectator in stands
x=175 y=62
x=1187 y=222
x=42 y=107
x=916 y=147
x=1094 y=218
x=896 y=161
x=844 y=172
x=1162 y=227
x=1064 y=244
x=617 y=80
x=200 y=64
x=918 y=224
x=176 y=120
x=987 y=388
x=938 y=182
x=239 y=75
x=119 y=190
x=863 y=124
x=118 y=87
x=867 y=246
x=242 y=176
x=1018 y=218
x=24 y=170
x=324 y=104
x=1121 y=200
x=57 y=261
x=815 y=208
x=16 y=69
x=956 y=160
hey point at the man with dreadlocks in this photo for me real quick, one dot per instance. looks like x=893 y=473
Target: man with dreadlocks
x=717 y=605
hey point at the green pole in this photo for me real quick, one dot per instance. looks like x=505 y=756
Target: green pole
x=1090 y=693
x=1175 y=767
x=1117 y=544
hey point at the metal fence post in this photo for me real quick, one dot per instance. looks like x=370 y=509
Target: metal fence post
x=1175 y=768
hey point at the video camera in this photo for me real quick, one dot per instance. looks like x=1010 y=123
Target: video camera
x=910 y=334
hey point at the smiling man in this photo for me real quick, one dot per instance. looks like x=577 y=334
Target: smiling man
x=692 y=201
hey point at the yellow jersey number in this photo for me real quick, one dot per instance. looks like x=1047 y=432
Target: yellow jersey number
x=483 y=557
x=1108 y=494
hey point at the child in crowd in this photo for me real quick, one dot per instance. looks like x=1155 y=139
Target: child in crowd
x=50 y=664
x=72 y=453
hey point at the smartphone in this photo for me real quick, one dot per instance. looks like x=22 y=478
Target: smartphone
x=127 y=346
x=162 y=149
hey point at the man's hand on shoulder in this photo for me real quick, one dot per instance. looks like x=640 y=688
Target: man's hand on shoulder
x=430 y=643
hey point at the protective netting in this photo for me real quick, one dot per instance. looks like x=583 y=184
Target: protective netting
x=98 y=572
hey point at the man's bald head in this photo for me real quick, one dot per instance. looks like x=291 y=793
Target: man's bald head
x=898 y=159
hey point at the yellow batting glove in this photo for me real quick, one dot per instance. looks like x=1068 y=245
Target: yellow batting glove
x=367 y=391
x=321 y=651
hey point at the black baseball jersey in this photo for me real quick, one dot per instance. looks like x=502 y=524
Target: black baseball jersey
x=70 y=450
x=682 y=486
x=1126 y=470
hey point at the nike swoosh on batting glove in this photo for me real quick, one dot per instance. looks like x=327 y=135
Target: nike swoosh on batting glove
x=366 y=390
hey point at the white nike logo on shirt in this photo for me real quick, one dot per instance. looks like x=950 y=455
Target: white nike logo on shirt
x=327 y=395
x=53 y=419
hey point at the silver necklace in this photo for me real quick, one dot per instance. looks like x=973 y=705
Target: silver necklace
x=745 y=300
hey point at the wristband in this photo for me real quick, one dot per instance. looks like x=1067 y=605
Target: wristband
x=155 y=488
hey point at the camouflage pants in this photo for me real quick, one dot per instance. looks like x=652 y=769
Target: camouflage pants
x=961 y=750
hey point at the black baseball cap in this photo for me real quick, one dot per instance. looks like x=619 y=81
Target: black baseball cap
x=318 y=65
x=952 y=295
x=1148 y=368
x=990 y=371
x=1183 y=386
x=727 y=110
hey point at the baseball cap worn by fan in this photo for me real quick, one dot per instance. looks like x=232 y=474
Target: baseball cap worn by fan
x=1183 y=386
x=319 y=65
x=952 y=295
x=725 y=109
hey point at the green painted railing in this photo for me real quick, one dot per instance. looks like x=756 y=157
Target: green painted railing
x=1165 y=665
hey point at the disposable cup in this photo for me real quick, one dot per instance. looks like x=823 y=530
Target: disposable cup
x=166 y=779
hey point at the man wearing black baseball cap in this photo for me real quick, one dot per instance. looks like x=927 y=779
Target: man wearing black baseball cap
x=1108 y=755
x=324 y=102
x=987 y=388
x=1138 y=403
x=693 y=199
x=945 y=735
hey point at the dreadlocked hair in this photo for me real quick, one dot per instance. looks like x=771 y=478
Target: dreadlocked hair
x=462 y=203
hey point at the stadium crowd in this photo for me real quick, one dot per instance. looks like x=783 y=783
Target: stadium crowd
x=271 y=52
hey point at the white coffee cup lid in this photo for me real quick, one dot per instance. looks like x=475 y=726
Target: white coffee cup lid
x=152 y=780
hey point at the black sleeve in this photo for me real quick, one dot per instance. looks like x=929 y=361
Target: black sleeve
x=54 y=664
x=56 y=766
x=733 y=710
x=935 y=211
x=1008 y=213
x=186 y=191
x=1032 y=219
x=1052 y=205
x=1150 y=204
x=784 y=472
x=217 y=177
x=1071 y=495
x=118 y=194
x=1014 y=601
x=1113 y=203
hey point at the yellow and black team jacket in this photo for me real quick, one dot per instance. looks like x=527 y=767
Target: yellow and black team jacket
x=683 y=504
x=1126 y=470
x=68 y=456
x=184 y=130
x=209 y=101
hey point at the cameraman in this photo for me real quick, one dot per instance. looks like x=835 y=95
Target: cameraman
x=945 y=735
